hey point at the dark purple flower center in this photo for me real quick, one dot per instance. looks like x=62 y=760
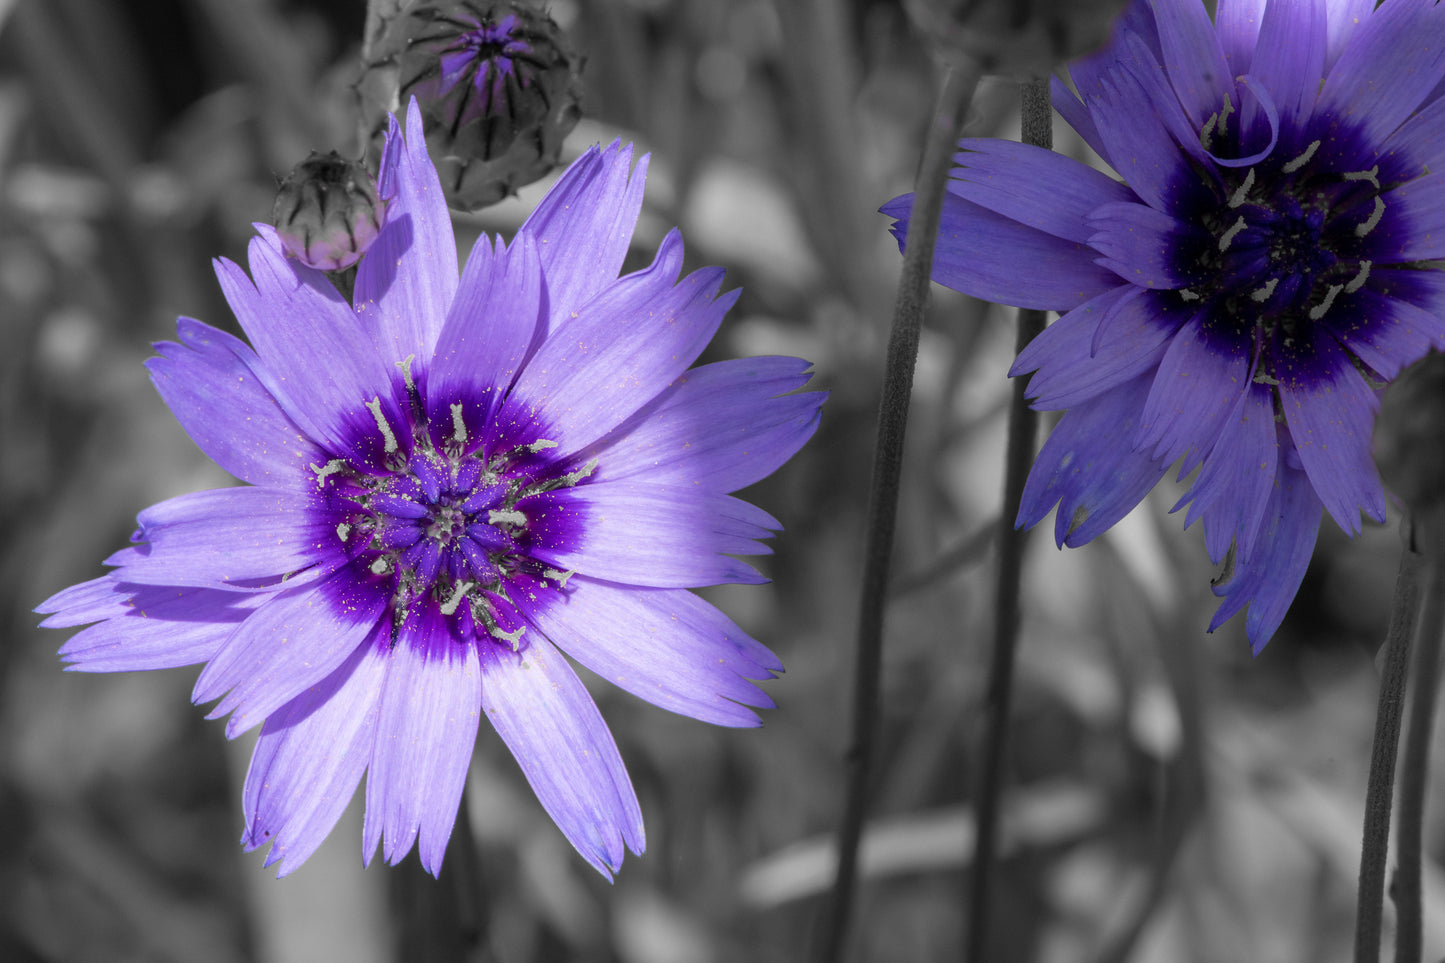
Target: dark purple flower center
x=449 y=525
x=1283 y=243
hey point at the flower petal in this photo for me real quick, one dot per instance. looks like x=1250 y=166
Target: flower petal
x=1140 y=146
x=430 y=709
x=1290 y=58
x=310 y=757
x=228 y=537
x=1192 y=54
x=316 y=360
x=1393 y=60
x=1035 y=187
x=723 y=426
x=161 y=628
x=1084 y=468
x=1202 y=375
x=644 y=533
x=995 y=258
x=1235 y=483
x=1098 y=346
x=664 y=645
x=623 y=348
x=1142 y=245
x=583 y=227
x=488 y=332
x=221 y=404
x=542 y=712
x=1237 y=24
x=406 y=280
x=290 y=644
x=1386 y=333
x=1331 y=411
x=1412 y=227
x=1416 y=147
x=1268 y=582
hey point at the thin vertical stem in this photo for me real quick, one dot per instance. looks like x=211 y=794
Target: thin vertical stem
x=1424 y=687
x=1023 y=423
x=908 y=308
x=1379 y=792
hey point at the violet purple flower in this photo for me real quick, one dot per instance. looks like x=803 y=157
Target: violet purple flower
x=452 y=482
x=1238 y=302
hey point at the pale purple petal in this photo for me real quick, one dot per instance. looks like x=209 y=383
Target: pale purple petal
x=160 y=628
x=1290 y=59
x=1417 y=146
x=644 y=533
x=1238 y=24
x=488 y=332
x=664 y=645
x=290 y=644
x=998 y=259
x=229 y=537
x=1330 y=410
x=1085 y=469
x=1267 y=583
x=1142 y=244
x=1386 y=333
x=1201 y=376
x=623 y=348
x=1193 y=57
x=542 y=712
x=218 y=400
x=1235 y=483
x=406 y=281
x=310 y=758
x=1412 y=227
x=723 y=426
x=427 y=728
x=583 y=227
x=1039 y=188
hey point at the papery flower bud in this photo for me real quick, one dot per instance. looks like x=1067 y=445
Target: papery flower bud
x=327 y=211
x=497 y=86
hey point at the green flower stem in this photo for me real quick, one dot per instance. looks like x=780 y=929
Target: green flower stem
x=1023 y=425
x=1415 y=767
x=1380 y=788
x=883 y=493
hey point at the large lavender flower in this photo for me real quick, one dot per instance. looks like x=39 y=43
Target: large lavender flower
x=1239 y=301
x=453 y=482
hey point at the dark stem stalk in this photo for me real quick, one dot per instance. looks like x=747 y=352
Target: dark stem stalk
x=1424 y=686
x=1380 y=789
x=1023 y=423
x=883 y=492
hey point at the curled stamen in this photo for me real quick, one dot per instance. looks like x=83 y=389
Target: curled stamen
x=1361 y=276
x=1369 y=223
x=332 y=467
x=1318 y=311
x=507 y=516
x=1224 y=115
x=342 y=531
x=1187 y=295
x=1228 y=237
x=449 y=607
x=459 y=427
x=1237 y=198
x=1303 y=159
x=1263 y=294
x=1206 y=136
x=405 y=365
x=381 y=566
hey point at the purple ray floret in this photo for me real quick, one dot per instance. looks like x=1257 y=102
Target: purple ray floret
x=1239 y=301
x=456 y=482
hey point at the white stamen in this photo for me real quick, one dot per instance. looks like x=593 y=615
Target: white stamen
x=573 y=477
x=1318 y=311
x=1224 y=114
x=1206 y=136
x=1303 y=159
x=405 y=365
x=1361 y=276
x=381 y=566
x=560 y=577
x=1368 y=225
x=374 y=406
x=539 y=445
x=1371 y=175
x=1228 y=237
x=332 y=467
x=513 y=639
x=1237 y=198
x=1187 y=295
x=506 y=516
x=459 y=427
x=343 y=530
x=1261 y=378
x=1265 y=293
x=449 y=607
